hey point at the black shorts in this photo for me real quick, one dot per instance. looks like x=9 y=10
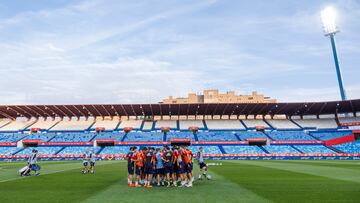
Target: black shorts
x=188 y=168
x=138 y=170
x=85 y=163
x=181 y=168
x=149 y=170
x=92 y=163
x=160 y=171
x=168 y=169
x=202 y=165
x=130 y=169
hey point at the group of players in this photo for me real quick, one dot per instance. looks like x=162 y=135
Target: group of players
x=89 y=157
x=155 y=166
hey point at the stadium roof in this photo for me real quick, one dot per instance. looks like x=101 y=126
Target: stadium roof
x=86 y=110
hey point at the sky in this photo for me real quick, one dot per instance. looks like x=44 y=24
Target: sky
x=119 y=51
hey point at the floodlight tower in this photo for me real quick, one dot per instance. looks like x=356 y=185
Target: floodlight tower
x=328 y=17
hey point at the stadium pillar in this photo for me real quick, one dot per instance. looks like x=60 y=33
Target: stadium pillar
x=337 y=66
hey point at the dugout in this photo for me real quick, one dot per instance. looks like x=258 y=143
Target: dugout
x=180 y=142
x=257 y=141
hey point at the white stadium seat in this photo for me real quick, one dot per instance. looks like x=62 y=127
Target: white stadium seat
x=224 y=125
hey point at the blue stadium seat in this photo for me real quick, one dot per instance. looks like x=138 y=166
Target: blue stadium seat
x=330 y=135
x=11 y=137
x=42 y=150
x=351 y=147
x=243 y=149
x=138 y=136
x=314 y=149
x=8 y=150
x=78 y=150
x=40 y=136
x=217 y=136
x=187 y=134
x=116 y=150
x=250 y=134
x=117 y=136
x=285 y=149
x=73 y=137
x=206 y=149
x=289 y=135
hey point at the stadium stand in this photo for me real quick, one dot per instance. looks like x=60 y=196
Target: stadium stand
x=289 y=135
x=3 y=122
x=166 y=123
x=329 y=135
x=135 y=124
x=285 y=149
x=8 y=150
x=188 y=134
x=244 y=149
x=282 y=124
x=185 y=124
x=44 y=137
x=314 y=149
x=224 y=125
x=73 y=125
x=217 y=136
x=45 y=124
x=78 y=150
x=106 y=123
x=243 y=135
x=351 y=147
x=148 y=125
x=324 y=123
x=115 y=150
x=117 y=136
x=72 y=137
x=17 y=125
x=206 y=149
x=138 y=136
x=349 y=119
x=11 y=137
x=42 y=150
x=252 y=123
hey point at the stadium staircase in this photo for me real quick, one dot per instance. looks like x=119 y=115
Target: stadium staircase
x=222 y=149
x=53 y=126
x=177 y=125
x=205 y=125
x=296 y=124
x=266 y=151
x=22 y=138
x=18 y=151
x=117 y=126
x=98 y=152
x=297 y=149
x=93 y=137
x=237 y=137
x=196 y=137
x=51 y=138
x=142 y=125
x=124 y=137
x=164 y=137
x=153 y=125
x=334 y=149
x=272 y=127
x=313 y=136
x=242 y=122
x=92 y=124
x=60 y=150
x=267 y=135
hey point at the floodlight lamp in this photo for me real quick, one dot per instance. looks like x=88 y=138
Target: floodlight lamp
x=328 y=18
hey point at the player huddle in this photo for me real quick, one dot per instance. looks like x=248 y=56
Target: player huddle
x=175 y=166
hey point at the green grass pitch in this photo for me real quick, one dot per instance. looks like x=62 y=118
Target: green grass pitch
x=233 y=181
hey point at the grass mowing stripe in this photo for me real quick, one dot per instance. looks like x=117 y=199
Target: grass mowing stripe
x=324 y=171
x=49 y=169
x=287 y=186
x=354 y=165
x=69 y=186
x=217 y=190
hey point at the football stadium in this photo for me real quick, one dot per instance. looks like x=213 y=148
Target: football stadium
x=84 y=145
